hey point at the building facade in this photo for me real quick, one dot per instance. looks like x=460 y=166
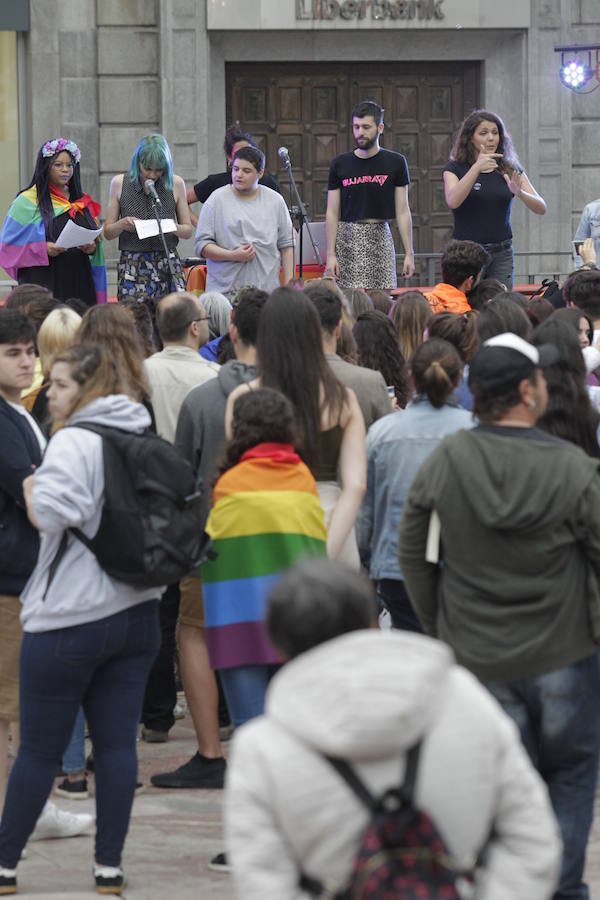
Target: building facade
x=105 y=72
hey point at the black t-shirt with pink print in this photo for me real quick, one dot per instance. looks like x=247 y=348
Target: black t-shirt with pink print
x=367 y=185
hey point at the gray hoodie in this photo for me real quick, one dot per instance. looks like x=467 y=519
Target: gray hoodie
x=200 y=432
x=68 y=492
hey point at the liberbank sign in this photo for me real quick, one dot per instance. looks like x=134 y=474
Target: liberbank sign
x=378 y=10
x=365 y=15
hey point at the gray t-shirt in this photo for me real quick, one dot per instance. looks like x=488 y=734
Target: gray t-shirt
x=230 y=221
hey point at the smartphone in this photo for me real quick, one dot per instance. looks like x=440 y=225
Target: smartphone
x=576 y=247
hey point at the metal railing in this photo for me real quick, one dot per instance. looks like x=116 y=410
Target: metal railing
x=432 y=271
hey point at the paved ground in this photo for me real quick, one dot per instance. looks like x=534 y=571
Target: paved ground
x=173 y=835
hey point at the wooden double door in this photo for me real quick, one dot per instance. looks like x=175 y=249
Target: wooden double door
x=306 y=107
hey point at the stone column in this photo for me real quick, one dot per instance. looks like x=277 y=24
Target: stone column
x=585 y=113
x=187 y=112
x=128 y=86
x=63 y=63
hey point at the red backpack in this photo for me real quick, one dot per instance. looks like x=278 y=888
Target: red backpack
x=401 y=854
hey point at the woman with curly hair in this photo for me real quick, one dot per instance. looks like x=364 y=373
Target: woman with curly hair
x=411 y=315
x=37 y=217
x=266 y=515
x=379 y=349
x=569 y=414
x=481 y=179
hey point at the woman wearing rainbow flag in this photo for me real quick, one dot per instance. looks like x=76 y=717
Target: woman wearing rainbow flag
x=266 y=515
x=37 y=216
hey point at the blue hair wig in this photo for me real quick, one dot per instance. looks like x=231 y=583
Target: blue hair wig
x=153 y=153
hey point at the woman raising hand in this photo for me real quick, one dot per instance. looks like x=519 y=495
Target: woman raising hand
x=481 y=179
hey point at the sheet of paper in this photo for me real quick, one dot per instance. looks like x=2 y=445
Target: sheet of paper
x=74 y=235
x=149 y=227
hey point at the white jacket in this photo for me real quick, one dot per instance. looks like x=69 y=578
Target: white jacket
x=367 y=697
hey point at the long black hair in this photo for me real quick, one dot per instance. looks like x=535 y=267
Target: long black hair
x=569 y=414
x=41 y=181
x=291 y=360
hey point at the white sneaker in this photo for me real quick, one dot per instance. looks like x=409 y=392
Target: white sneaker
x=56 y=823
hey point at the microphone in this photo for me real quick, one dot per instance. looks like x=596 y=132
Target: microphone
x=284 y=156
x=149 y=185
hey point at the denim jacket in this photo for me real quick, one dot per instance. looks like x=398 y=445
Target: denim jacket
x=589 y=226
x=397 y=445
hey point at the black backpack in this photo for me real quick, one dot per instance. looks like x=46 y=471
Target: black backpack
x=152 y=531
x=401 y=854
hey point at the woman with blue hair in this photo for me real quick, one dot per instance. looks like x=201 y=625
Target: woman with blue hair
x=143 y=272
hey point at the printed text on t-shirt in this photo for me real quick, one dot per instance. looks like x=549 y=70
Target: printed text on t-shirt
x=365 y=179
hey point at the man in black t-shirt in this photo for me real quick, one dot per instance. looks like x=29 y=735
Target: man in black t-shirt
x=367 y=187
x=234 y=139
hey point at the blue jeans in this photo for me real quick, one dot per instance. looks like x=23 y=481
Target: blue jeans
x=394 y=597
x=245 y=688
x=558 y=715
x=502 y=264
x=74 y=756
x=103 y=666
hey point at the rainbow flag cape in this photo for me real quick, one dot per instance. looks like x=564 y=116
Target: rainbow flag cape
x=266 y=516
x=23 y=239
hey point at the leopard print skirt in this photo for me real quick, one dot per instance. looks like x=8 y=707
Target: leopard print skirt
x=366 y=255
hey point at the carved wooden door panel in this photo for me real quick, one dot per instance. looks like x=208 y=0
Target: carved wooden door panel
x=306 y=107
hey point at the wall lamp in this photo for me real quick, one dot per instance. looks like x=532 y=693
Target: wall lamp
x=579 y=64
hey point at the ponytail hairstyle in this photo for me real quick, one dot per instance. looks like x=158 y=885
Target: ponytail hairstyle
x=436 y=369
x=459 y=329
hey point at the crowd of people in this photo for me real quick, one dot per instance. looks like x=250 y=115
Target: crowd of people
x=400 y=593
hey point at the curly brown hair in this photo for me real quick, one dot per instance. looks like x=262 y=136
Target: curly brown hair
x=379 y=349
x=260 y=416
x=463 y=150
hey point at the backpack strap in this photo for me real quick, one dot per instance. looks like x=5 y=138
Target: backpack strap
x=410 y=775
x=353 y=781
x=407 y=788
x=56 y=561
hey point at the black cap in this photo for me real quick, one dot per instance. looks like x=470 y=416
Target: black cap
x=505 y=360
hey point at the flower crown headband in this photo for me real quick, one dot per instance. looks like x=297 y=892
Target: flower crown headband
x=51 y=148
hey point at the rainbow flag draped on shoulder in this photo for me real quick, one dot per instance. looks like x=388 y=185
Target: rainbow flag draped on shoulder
x=23 y=239
x=266 y=516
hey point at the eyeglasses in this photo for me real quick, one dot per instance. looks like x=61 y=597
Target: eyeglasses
x=199 y=319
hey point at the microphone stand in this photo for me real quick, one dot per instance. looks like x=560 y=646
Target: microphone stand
x=156 y=209
x=302 y=217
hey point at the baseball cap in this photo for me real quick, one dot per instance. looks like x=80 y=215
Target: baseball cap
x=506 y=359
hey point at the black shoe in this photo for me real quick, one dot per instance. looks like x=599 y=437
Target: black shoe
x=8 y=883
x=199 y=772
x=219 y=863
x=111 y=884
x=152 y=736
x=73 y=790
